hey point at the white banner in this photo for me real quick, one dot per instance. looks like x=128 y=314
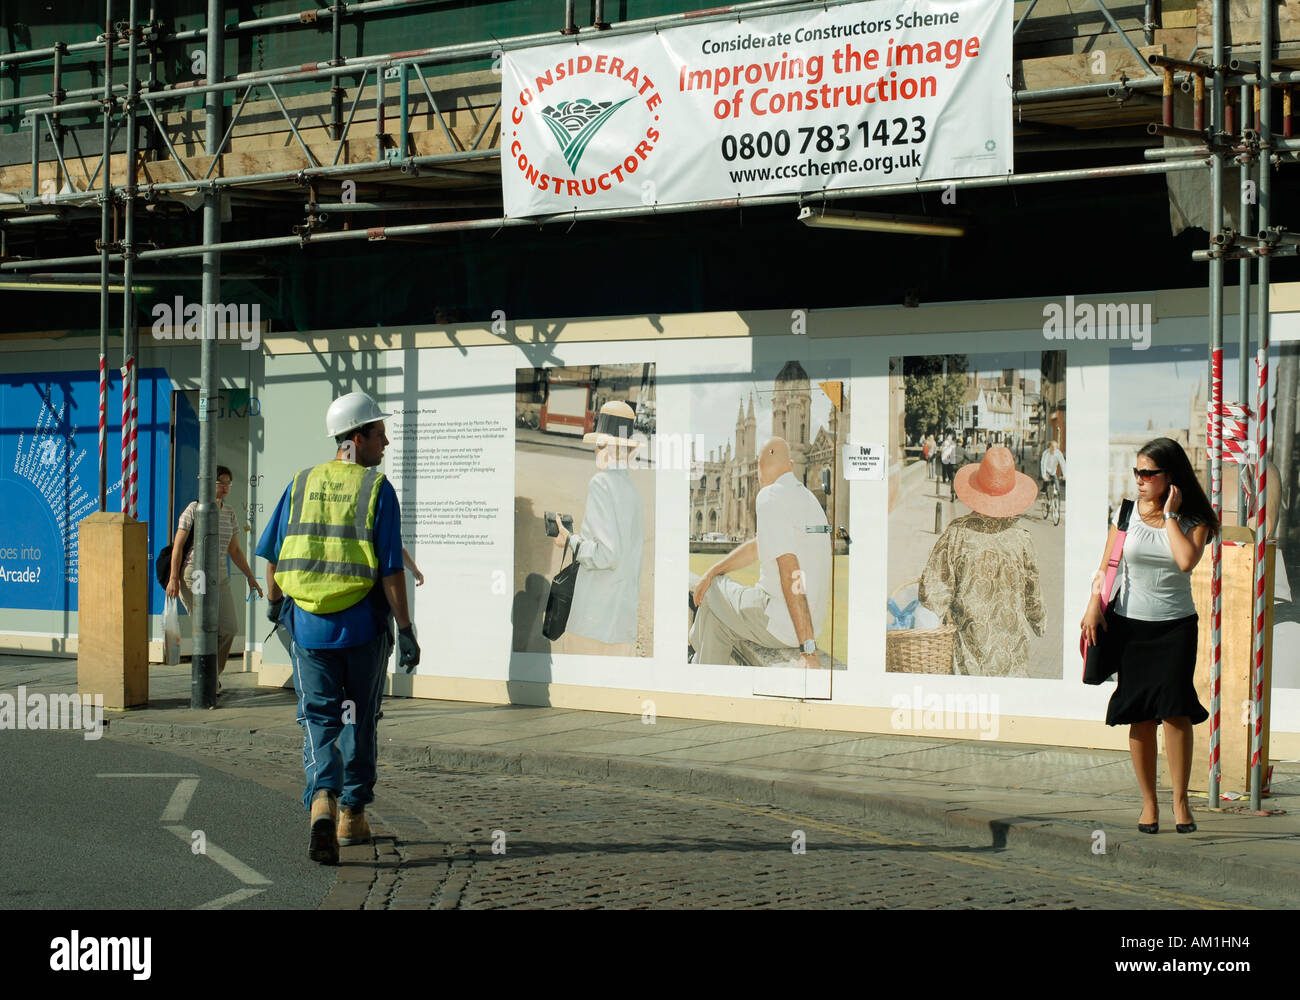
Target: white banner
x=858 y=95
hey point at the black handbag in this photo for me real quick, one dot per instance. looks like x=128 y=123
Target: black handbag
x=1099 y=659
x=561 y=598
x=162 y=566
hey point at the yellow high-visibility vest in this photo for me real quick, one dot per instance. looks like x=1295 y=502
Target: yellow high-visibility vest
x=328 y=560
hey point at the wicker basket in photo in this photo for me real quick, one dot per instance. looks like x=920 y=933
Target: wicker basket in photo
x=919 y=650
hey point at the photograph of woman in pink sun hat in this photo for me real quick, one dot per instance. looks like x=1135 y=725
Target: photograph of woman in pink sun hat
x=982 y=574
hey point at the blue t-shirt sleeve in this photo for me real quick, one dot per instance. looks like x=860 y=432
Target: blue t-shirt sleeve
x=273 y=535
x=388 y=531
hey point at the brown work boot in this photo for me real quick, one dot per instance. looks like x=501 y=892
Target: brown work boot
x=353 y=828
x=324 y=844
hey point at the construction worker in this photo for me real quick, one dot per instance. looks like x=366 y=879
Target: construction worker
x=335 y=580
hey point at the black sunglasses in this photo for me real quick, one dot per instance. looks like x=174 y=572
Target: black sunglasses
x=1148 y=473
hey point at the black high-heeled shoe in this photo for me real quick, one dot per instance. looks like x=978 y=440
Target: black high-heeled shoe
x=1149 y=827
x=1185 y=827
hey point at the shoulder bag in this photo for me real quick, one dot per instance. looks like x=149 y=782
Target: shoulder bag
x=561 y=597
x=1099 y=659
x=162 y=566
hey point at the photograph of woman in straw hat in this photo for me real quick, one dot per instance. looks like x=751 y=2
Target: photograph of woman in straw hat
x=982 y=574
x=584 y=495
x=607 y=548
x=975 y=574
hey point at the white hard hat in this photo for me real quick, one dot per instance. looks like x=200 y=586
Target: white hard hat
x=350 y=412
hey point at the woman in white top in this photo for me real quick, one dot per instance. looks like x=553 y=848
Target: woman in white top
x=1153 y=629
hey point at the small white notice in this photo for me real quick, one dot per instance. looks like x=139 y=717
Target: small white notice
x=864 y=461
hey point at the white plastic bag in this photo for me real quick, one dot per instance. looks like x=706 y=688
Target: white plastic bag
x=171 y=633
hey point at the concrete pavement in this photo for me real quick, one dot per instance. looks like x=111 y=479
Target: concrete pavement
x=1048 y=801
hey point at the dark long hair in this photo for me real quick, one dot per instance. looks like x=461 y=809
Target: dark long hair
x=1169 y=457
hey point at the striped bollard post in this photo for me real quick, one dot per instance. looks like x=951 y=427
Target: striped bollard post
x=133 y=458
x=103 y=417
x=126 y=437
x=1261 y=531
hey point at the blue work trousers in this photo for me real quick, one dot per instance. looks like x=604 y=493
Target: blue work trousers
x=339 y=693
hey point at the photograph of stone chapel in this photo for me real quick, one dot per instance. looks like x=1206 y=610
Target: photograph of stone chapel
x=733 y=415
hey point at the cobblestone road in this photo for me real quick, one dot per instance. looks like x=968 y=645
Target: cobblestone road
x=566 y=843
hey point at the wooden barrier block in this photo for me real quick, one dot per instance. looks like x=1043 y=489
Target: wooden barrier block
x=1235 y=659
x=113 y=609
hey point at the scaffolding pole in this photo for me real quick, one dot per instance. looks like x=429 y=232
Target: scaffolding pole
x=1215 y=430
x=471 y=50
x=604 y=214
x=196 y=34
x=1246 y=206
x=203 y=669
x=475 y=50
x=106 y=206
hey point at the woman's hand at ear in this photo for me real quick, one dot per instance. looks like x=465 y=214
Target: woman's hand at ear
x=1173 y=499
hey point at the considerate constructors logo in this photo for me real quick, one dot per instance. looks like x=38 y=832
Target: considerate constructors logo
x=575 y=121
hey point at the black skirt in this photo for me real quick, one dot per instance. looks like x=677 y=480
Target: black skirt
x=1157 y=661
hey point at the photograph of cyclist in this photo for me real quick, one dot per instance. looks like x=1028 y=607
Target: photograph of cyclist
x=1052 y=473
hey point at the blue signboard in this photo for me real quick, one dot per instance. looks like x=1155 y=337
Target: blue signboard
x=49 y=477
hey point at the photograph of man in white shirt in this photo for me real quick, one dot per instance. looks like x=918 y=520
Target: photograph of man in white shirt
x=787 y=606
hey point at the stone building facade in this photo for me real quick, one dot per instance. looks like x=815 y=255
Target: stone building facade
x=725 y=483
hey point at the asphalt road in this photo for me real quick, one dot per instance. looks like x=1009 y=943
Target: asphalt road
x=75 y=834
x=75 y=838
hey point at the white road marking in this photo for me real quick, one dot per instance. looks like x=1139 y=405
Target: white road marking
x=175 y=811
x=159 y=775
x=180 y=801
x=227 y=861
x=235 y=897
